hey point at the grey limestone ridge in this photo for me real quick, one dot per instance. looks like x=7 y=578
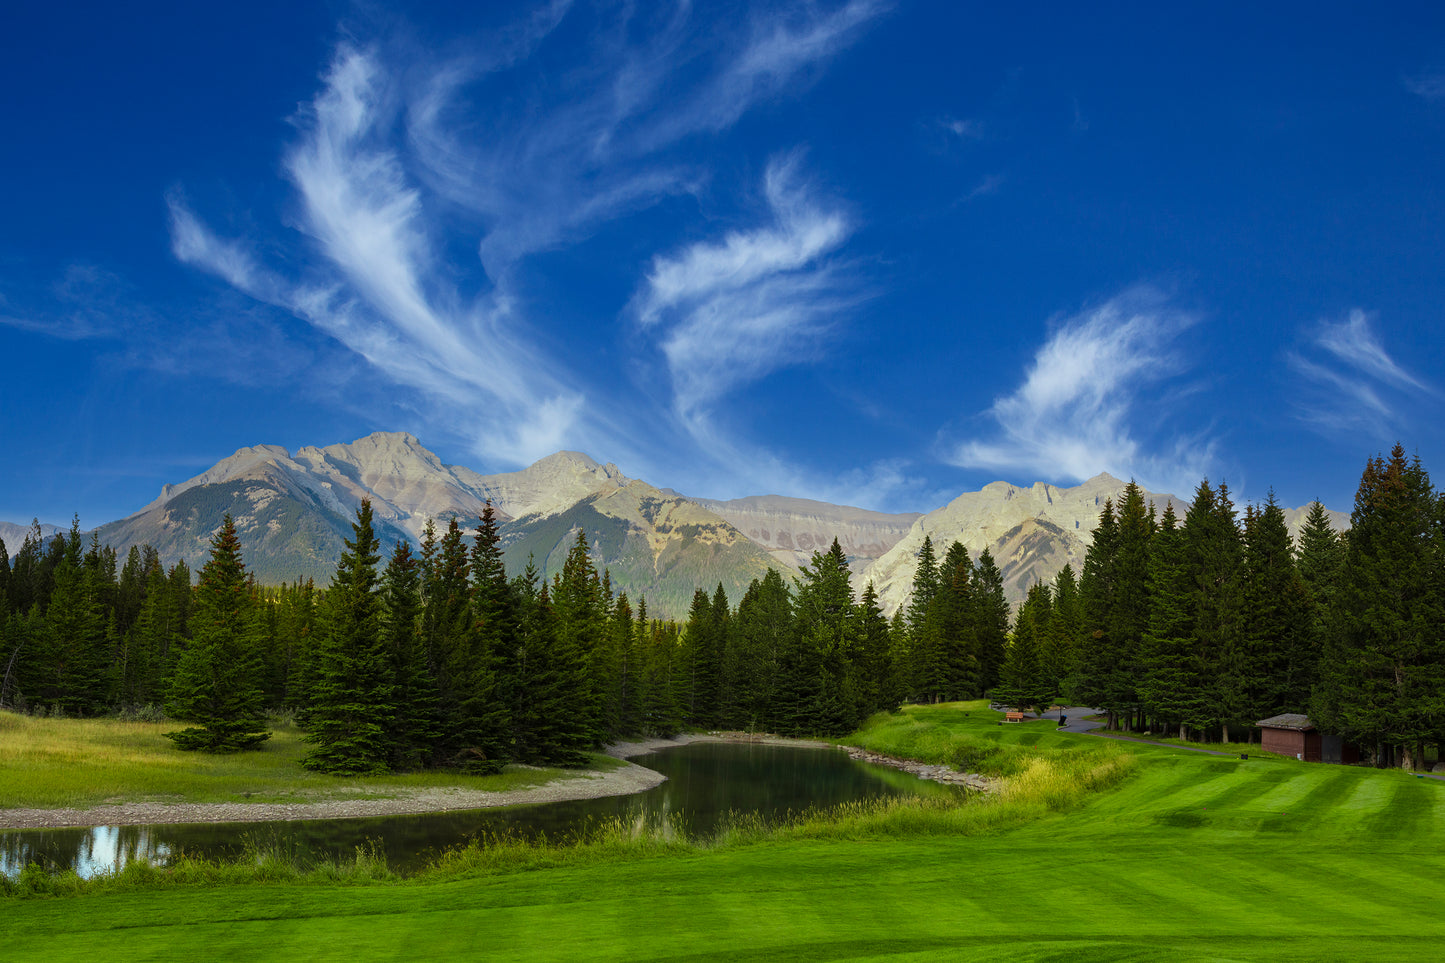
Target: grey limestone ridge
x=294 y=511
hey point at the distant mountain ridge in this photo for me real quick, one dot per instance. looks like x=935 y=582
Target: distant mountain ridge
x=14 y=535
x=294 y=513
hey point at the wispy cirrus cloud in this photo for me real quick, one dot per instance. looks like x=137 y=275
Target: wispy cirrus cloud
x=1084 y=397
x=731 y=311
x=1349 y=382
x=402 y=153
x=542 y=179
x=1429 y=85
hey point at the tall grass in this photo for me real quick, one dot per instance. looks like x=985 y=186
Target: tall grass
x=257 y=865
x=1036 y=782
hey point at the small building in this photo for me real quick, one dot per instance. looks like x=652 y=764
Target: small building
x=1292 y=734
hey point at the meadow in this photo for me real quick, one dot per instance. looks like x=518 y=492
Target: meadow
x=1094 y=850
x=48 y=763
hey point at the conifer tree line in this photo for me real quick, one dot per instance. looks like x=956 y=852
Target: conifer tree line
x=1198 y=626
x=1190 y=626
x=436 y=658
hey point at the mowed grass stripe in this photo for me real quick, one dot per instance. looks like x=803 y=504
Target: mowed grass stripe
x=1298 y=794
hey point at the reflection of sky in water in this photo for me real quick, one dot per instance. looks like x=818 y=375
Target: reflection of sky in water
x=705 y=782
x=89 y=851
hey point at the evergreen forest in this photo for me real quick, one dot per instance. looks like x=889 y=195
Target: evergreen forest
x=1192 y=626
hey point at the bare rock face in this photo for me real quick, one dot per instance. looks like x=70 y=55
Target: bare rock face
x=545 y=488
x=1032 y=533
x=792 y=529
x=14 y=535
x=294 y=513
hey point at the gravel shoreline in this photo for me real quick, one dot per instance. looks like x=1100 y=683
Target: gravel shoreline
x=582 y=784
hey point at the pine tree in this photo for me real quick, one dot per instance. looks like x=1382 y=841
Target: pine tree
x=551 y=730
x=1382 y=677
x=1097 y=663
x=418 y=728
x=622 y=711
x=1213 y=559
x=1174 y=681
x=446 y=627
x=702 y=664
x=215 y=683
x=991 y=621
x=71 y=662
x=760 y=632
x=1276 y=620
x=1022 y=680
x=825 y=638
x=876 y=673
x=581 y=621
x=924 y=672
x=484 y=670
x=353 y=699
x=1058 y=653
x=952 y=629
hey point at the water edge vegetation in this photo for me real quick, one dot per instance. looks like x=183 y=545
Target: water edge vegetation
x=1094 y=849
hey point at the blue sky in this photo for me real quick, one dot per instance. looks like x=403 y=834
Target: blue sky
x=870 y=252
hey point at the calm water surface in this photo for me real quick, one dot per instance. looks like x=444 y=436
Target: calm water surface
x=706 y=780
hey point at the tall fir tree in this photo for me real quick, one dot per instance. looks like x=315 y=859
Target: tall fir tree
x=417 y=726
x=1382 y=677
x=991 y=621
x=216 y=681
x=353 y=697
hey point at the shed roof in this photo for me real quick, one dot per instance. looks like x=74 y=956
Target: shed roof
x=1287 y=720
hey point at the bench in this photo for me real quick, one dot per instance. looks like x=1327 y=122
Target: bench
x=1013 y=716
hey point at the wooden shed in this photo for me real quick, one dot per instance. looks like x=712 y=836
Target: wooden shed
x=1292 y=734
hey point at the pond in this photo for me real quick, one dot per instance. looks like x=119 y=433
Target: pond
x=705 y=781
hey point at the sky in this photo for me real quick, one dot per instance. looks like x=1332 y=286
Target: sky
x=876 y=253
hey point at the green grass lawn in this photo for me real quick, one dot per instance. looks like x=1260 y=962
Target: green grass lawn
x=1178 y=856
x=59 y=763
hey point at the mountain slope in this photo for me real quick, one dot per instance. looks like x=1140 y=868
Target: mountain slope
x=1032 y=533
x=652 y=543
x=792 y=529
x=294 y=512
x=13 y=535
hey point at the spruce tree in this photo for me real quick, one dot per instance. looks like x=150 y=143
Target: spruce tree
x=923 y=672
x=417 y=729
x=353 y=699
x=825 y=638
x=1213 y=558
x=581 y=624
x=951 y=629
x=1277 y=636
x=1096 y=665
x=1061 y=641
x=1382 y=678
x=215 y=683
x=877 y=676
x=702 y=664
x=71 y=661
x=1174 y=681
x=991 y=621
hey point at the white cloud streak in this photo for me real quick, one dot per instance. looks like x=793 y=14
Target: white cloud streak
x=732 y=311
x=1352 y=384
x=395 y=145
x=1077 y=411
x=542 y=180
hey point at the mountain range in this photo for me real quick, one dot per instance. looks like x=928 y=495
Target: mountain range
x=294 y=512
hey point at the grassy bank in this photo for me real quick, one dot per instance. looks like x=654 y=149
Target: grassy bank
x=1096 y=851
x=78 y=763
